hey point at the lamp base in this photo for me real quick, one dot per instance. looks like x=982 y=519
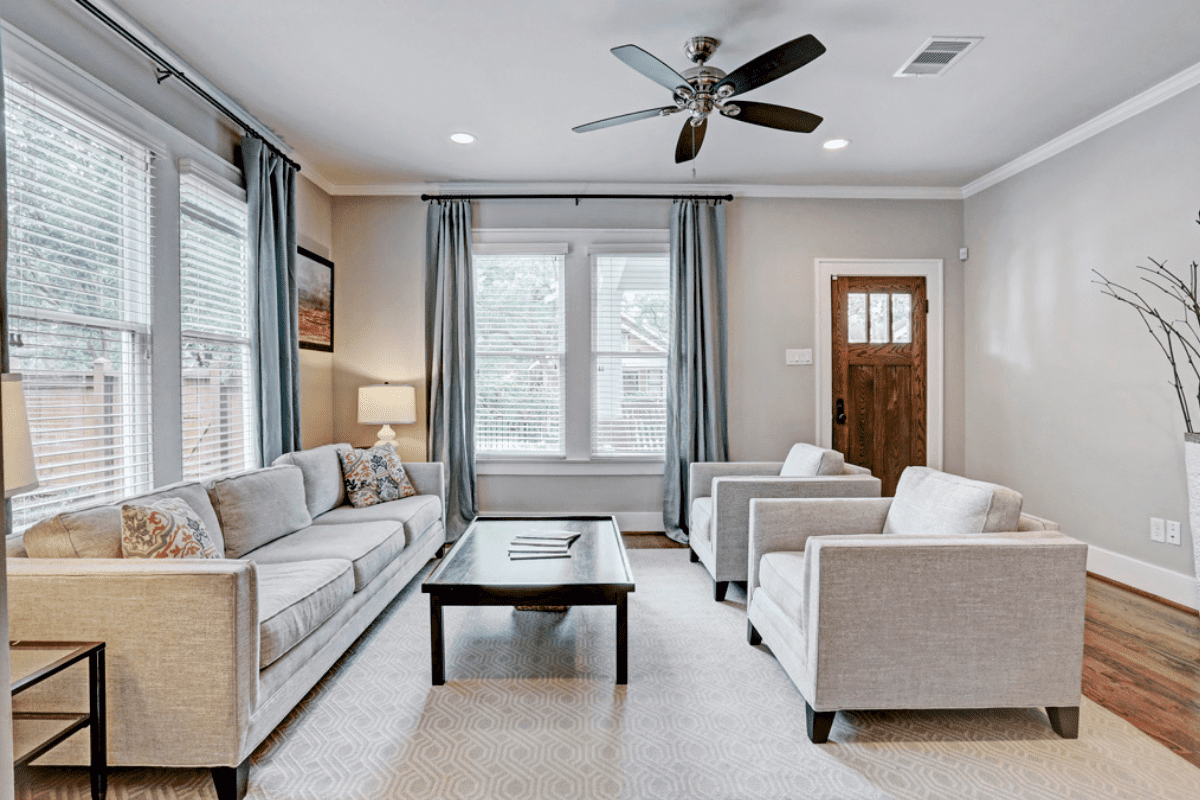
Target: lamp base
x=385 y=436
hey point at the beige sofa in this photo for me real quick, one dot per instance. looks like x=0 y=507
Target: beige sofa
x=719 y=494
x=946 y=596
x=206 y=657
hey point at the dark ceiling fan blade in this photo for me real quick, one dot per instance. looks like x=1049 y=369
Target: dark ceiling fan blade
x=773 y=116
x=773 y=64
x=649 y=66
x=623 y=118
x=690 y=139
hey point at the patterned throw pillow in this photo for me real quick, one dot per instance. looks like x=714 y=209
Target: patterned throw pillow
x=169 y=528
x=374 y=476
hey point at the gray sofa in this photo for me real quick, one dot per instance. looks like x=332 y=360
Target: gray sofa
x=719 y=494
x=206 y=657
x=946 y=596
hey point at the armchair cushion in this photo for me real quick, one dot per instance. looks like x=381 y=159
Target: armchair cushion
x=701 y=521
x=807 y=460
x=932 y=502
x=781 y=575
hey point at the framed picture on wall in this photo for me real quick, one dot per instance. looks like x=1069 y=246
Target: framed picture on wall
x=314 y=284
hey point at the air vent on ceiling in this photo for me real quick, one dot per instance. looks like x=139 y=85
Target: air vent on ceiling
x=937 y=55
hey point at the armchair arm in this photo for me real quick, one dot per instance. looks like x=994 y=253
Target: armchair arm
x=701 y=474
x=181 y=652
x=961 y=621
x=787 y=524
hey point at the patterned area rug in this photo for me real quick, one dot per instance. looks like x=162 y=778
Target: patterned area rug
x=530 y=711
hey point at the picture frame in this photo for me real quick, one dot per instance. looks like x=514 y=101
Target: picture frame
x=314 y=288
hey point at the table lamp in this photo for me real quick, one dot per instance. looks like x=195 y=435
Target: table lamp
x=20 y=470
x=387 y=404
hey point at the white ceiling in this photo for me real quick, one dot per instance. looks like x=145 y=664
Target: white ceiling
x=368 y=91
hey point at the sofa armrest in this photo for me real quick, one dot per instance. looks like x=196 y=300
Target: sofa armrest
x=181 y=651
x=787 y=524
x=731 y=506
x=959 y=621
x=701 y=474
x=427 y=477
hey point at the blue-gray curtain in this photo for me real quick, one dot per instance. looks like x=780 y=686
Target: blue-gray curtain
x=696 y=399
x=271 y=196
x=450 y=356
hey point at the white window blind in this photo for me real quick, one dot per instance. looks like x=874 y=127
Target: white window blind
x=79 y=293
x=630 y=334
x=519 y=353
x=214 y=294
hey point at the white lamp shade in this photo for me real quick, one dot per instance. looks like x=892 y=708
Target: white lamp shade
x=387 y=404
x=20 y=471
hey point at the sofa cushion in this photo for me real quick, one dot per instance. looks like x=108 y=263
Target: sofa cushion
x=415 y=513
x=324 y=487
x=701 y=519
x=295 y=598
x=259 y=506
x=96 y=532
x=806 y=460
x=932 y=502
x=166 y=528
x=374 y=476
x=781 y=577
x=368 y=546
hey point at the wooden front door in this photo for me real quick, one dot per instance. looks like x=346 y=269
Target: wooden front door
x=879 y=373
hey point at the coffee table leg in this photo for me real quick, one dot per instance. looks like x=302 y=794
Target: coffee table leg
x=437 y=641
x=622 y=639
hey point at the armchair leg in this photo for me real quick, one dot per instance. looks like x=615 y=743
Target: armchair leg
x=231 y=782
x=692 y=556
x=819 y=724
x=719 y=588
x=752 y=636
x=1064 y=720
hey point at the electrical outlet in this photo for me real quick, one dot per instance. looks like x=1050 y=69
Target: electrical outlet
x=1158 y=531
x=1173 y=532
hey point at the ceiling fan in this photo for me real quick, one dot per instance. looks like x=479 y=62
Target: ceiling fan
x=702 y=89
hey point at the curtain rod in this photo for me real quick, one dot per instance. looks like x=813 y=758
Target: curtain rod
x=577 y=197
x=166 y=69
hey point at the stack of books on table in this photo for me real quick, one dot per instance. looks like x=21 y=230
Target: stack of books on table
x=541 y=544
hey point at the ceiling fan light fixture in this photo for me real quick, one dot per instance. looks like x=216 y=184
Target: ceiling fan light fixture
x=840 y=143
x=462 y=138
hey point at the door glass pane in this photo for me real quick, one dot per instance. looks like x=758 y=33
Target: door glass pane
x=879 y=319
x=856 y=313
x=902 y=318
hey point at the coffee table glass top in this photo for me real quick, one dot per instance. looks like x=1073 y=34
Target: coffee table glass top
x=480 y=557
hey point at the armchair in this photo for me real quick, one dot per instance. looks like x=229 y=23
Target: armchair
x=719 y=495
x=945 y=596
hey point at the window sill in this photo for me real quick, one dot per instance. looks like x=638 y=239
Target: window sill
x=561 y=467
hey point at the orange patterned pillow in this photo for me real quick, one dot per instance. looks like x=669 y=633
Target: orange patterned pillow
x=169 y=528
x=374 y=476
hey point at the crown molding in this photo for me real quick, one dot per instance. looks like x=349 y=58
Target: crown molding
x=309 y=171
x=582 y=188
x=1172 y=86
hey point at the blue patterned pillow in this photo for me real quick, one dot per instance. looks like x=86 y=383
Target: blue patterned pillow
x=374 y=476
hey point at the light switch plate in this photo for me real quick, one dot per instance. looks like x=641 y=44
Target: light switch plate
x=798 y=357
x=1173 y=532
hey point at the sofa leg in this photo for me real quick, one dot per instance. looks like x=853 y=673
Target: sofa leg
x=1064 y=720
x=819 y=724
x=692 y=556
x=231 y=782
x=719 y=588
x=752 y=636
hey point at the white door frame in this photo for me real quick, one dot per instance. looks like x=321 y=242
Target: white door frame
x=929 y=268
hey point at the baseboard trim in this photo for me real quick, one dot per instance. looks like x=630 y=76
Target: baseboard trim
x=1174 y=587
x=640 y=521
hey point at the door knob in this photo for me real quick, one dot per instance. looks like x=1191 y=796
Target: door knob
x=841 y=412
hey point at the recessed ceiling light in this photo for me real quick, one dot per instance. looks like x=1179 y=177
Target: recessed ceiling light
x=836 y=144
x=462 y=138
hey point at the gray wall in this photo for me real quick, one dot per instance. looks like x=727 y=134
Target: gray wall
x=1067 y=395
x=379 y=250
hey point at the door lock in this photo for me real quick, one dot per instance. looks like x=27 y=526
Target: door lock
x=841 y=412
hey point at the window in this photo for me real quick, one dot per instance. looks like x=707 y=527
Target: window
x=630 y=333
x=570 y=348
x=214 y=290
x=79 y=290
x=520 y=345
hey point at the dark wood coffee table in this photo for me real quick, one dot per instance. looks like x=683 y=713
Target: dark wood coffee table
x=478 y=572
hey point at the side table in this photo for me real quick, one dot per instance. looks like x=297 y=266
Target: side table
x=36 y=732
